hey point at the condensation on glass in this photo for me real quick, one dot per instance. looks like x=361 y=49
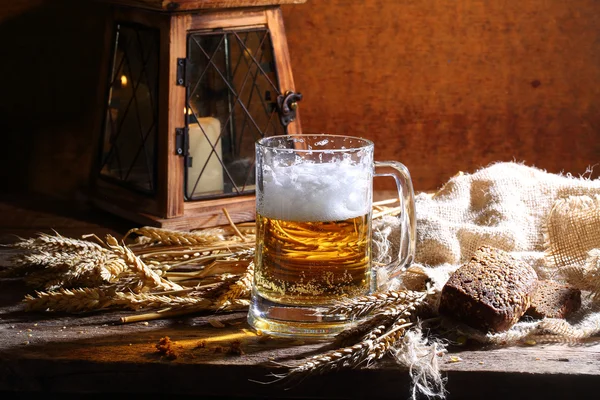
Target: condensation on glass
x=130 y=128
x=231 y=102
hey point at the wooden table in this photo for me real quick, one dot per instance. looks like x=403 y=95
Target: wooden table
x=92 y=355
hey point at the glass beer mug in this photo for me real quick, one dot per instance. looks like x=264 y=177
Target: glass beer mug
x=314 y=196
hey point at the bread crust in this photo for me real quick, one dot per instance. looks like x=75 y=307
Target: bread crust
x=490 y=292
x=554 y=300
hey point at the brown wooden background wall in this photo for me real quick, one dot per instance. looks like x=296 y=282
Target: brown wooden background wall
x=441 y=85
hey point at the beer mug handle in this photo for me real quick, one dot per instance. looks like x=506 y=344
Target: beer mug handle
x=399 y=172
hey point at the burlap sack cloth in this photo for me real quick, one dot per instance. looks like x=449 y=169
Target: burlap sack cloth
x=550 y=221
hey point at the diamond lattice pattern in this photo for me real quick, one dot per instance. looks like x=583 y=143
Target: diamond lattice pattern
x=231 y=102
x=129 y=140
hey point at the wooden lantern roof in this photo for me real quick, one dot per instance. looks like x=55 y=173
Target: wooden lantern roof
x=191 y=5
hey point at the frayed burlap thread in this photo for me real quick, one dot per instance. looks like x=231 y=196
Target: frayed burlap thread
x=573 y=230
x=421 y=355
x=546 y=330
x=587 y=276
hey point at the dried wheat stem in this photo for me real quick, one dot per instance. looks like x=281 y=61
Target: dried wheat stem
x=225 y=246
x=215 y=268
x=226 y=279
x=175 y=292
x=384 y=202
x=202 y=260
x=387 y=211
x=177 y=258
x=233 y=305
x=136 y=301
x=235 y=228
x=153 y=316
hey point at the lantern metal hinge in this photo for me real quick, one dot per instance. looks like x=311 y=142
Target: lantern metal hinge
x=182 y=64
x=286 y=106
x=182 y=141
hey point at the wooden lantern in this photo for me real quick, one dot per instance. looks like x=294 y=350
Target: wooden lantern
x=191 y=85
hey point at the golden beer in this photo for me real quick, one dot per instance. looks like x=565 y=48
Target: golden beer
x=314 y=196
x=312 y=263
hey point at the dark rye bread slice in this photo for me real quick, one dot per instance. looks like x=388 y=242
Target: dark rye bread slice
x=554 y=300
x=491 y=292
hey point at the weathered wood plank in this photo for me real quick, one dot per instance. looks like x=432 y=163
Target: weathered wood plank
x=95 y=350
x=94 y=353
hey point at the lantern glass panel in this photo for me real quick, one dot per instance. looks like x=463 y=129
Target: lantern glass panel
x=130 y=128
x=231 y=102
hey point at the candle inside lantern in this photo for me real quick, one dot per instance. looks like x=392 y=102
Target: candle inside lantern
x=201 y=131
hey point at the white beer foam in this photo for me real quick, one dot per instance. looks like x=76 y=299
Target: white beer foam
x=316 y=192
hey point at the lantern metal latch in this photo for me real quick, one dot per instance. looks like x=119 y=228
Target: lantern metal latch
x=182 y=141
x=181 y=71
x=286 y=106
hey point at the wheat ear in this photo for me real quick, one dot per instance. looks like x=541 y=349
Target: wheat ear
x=377 y=337
x=55 y=243
x=239 y=289
x=384 y=316
x=155 y=236
x=375 y=345
x=364 y=305
x=74 y=257
x=232 y=305
x=149 y=277
x=70 y=300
